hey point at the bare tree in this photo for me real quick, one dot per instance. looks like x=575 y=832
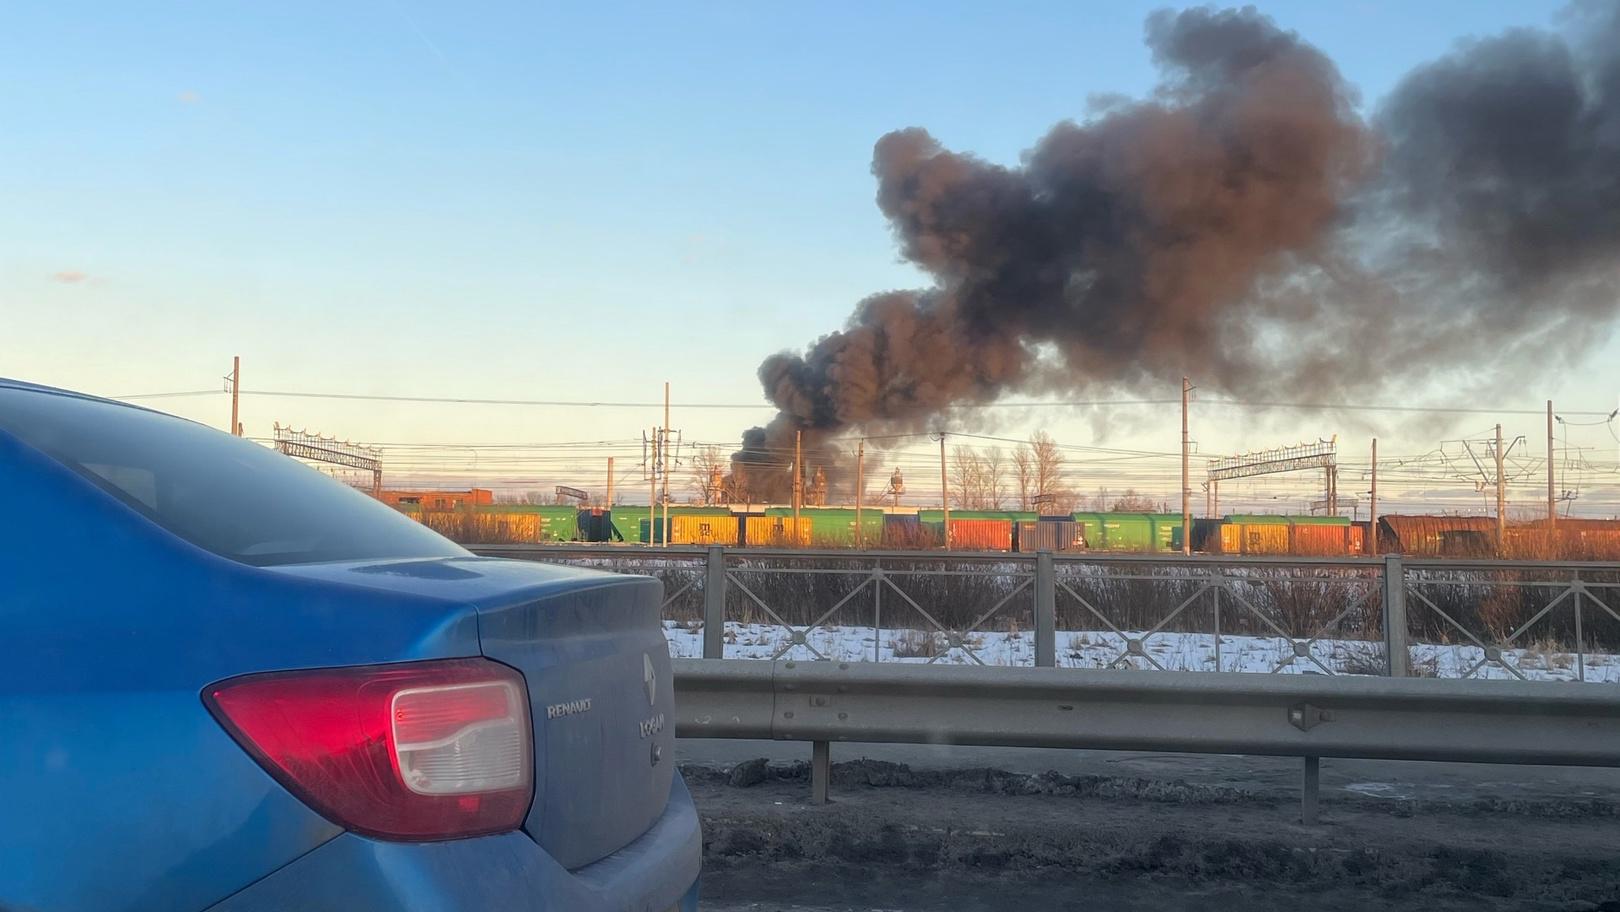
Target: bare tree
x=1048 y=463
x=967 y=479
x=1024 y=474
x=1038 y=467
x=995 y=478
x=1133 y=502
x=708 y=476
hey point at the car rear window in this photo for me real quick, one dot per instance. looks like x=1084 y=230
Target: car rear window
x=231 y=496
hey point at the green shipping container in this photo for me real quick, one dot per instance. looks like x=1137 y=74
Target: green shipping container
x=1016 y=516
x=1127 y=531
x=1265 y=519
x=1167 y=532
x=1257 y=519
x=630 y=522
x=834 y=527
x=1131 y=531
x=1091 y=528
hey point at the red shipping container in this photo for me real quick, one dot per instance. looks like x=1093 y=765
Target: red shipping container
x=981 y=534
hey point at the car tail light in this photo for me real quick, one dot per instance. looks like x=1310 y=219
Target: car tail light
x=417 y=751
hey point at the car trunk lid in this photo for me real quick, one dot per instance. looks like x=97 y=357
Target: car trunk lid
x=593 y=654
x=601 y=697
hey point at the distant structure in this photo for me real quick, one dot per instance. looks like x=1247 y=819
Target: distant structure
x=302 y=444
x=1322 y=454
x=438 y=500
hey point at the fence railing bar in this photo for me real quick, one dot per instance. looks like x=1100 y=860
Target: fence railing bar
x=913 y=602
x=756 y=599
x=1178 y=609
x=840 y=603
x=1272 y=594
x=677 y=594
x=1586 y=589
x=564 y=550
x=1091 y=608
x=998 y=605
x=1355 y=603
x=1261 y=615
x=1568 y=591
x=1448 y=618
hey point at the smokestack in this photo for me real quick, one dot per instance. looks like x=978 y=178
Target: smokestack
x=1243 y=225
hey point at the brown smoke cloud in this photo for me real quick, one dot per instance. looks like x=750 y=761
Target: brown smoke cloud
x=1245 y=226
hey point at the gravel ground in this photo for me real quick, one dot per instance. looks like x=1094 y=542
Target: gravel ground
x=901 y=838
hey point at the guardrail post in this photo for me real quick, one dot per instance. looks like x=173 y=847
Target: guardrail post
x=1310 y=790
x=820 y=770
x=714 y=605
x=1045 y=610
x=877 y=614
x=1397 y=655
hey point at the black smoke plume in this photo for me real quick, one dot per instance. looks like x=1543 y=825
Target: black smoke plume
x=1247 y=226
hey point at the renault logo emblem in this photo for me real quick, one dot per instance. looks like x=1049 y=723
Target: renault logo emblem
x=649 y=679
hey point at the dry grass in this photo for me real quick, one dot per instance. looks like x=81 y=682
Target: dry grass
x=468 y=528
x=916 y=644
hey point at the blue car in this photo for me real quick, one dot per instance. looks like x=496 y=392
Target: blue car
x=229 y=682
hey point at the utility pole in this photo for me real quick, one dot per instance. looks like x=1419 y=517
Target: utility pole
x=608 y=501
x=1552 y=495
x=1186 y=492
x=1501 y=495
x=236 y=392
x=666 y=464
x=860 y=491
x=652 y=491
x=1372 y=504
x=1215 y=498
x=798 y=481
x=944 y=491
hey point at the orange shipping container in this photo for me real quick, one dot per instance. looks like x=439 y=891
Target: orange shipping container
x=1321 y=540
x=1255 y=538
x=981 y=534
x=775 y=532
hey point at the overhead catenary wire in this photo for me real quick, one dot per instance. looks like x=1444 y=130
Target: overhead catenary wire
x=1428 y=479
x=765 y=406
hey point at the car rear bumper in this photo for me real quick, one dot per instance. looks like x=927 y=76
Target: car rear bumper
x=655 y=873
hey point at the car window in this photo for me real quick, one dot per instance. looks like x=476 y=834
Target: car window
x=222 y=493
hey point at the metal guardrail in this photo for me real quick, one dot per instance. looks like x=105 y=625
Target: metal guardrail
x=1384 y=606
x=1293 y=716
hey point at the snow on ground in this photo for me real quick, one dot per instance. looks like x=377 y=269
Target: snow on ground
x=1105 y=649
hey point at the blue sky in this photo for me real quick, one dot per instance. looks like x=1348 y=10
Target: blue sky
x=497 y=200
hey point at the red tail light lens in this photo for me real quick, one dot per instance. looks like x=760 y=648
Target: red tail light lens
x=418 y=751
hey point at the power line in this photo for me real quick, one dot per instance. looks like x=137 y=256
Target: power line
x=763 y=406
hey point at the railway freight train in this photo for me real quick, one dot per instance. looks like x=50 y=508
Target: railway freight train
x=1016 y=531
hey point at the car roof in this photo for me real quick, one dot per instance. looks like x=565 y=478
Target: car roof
x=26 y=387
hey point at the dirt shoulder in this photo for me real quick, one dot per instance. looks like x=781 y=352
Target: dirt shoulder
x=1119 y=833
